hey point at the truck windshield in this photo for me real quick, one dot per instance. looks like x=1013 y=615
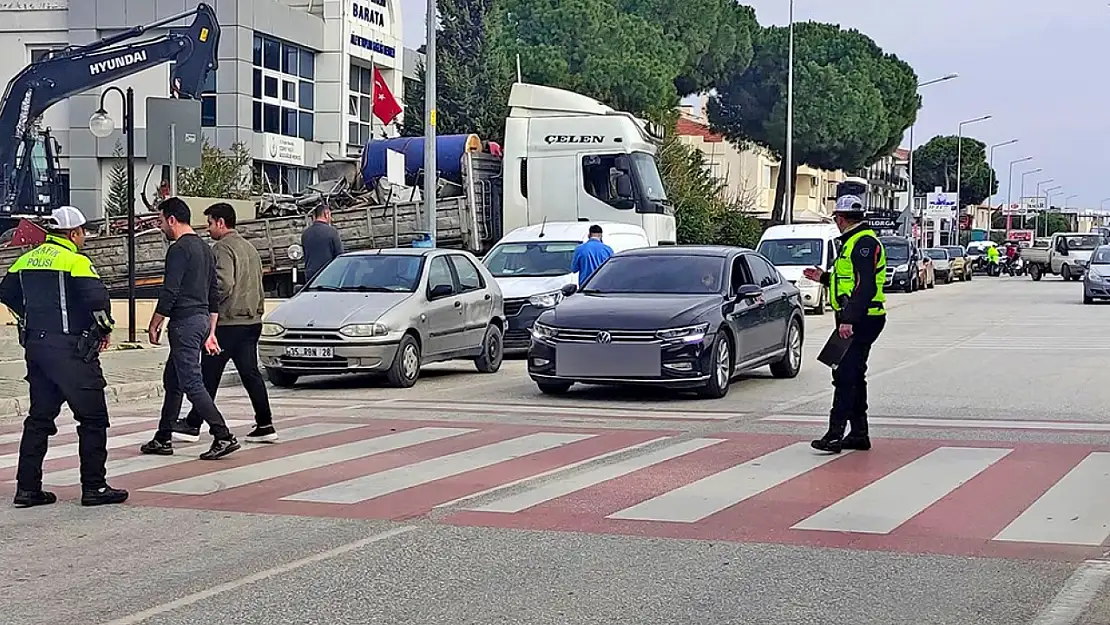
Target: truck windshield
x=793 y=252
x=1083 y=241
x=531 y=259
x=648 y=174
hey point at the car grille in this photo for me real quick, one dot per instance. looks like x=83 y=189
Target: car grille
x=513 y=305
x=517 y=338
x=618 y=336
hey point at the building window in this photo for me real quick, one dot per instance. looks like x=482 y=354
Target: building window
x=360 y=106
x=283 y=88
x=285 y=179
x=39 y=54
x=207 y=92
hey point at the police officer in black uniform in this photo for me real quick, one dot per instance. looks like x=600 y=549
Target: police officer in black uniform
x=63 y=311
x=856 y=295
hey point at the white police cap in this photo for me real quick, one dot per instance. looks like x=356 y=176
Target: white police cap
x=67 y=218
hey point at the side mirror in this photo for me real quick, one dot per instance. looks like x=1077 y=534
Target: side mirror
x=624 y=186
x=748 y=291
x=569 y=289
x=440 y=290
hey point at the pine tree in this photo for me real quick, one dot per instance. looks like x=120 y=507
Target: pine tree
x=115 y=204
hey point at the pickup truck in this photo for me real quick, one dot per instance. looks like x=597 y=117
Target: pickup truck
x=1066 y=254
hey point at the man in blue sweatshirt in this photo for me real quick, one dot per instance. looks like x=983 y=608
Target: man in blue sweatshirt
x=590 y=255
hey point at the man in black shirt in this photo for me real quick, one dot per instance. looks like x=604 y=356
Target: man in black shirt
x=190 y=299
x=321 y=243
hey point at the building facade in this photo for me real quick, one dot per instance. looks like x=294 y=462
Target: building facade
x=294 y=82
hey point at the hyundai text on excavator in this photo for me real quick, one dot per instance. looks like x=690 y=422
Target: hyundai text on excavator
x=30 y=185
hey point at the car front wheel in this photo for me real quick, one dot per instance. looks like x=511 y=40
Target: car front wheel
x=720 y=369
x=406 y=364
x=791 y=362
x=492 y=353
x=280 y=378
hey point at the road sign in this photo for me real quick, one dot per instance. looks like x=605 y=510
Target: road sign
x=1033 y=204
x=940 y=205
x=179 y=119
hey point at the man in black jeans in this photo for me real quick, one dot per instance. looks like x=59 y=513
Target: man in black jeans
x=242 y=304
x=190 y=300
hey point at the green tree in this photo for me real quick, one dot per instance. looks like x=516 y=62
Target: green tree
x=935 y=165
x=115 y=205
x=220 y=175
x=852 y=101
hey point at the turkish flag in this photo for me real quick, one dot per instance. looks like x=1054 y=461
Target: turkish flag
x=386 y=107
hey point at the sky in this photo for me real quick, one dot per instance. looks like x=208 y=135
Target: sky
x=1037 y=68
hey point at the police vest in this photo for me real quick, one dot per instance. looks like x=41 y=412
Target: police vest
x=843 y=279
x=61 y=290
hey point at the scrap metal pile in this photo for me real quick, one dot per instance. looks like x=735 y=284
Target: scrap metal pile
x=341 y=187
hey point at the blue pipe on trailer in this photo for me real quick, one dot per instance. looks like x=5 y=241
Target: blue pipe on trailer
x=449 y=153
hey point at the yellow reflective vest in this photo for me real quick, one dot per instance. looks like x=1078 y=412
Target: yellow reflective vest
x=842 y=282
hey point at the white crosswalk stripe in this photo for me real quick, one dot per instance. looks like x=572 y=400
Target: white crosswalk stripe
x=1075 y=511
x=71 y=427
x=394 y=480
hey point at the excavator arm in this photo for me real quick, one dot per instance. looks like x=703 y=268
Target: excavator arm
x=69 y=71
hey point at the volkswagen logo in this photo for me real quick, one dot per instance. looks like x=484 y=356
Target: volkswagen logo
x=604 y=337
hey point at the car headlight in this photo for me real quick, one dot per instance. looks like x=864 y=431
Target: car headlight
x=902 y=268
x=690 y=334
x=541 y=331
x=272 y=329
x=364 y=330
x=546 y=300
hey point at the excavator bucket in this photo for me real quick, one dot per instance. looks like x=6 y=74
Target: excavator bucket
x=27 y=234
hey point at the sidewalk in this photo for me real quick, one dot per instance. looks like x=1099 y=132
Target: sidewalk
x=131 y=373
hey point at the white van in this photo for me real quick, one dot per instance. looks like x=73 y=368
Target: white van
x=531 y=265
x=794 y=247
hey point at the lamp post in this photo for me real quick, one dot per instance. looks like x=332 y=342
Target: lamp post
x=1102 y=204
x=1048 y=193
x=1038 y=194
x=102 y=125
x=960 y=169
x=1023 y=175
x=990 y=183
x=1069 y=198
x=431 y=176
x=913 y=206
x=1010 y=191
x=788 y=212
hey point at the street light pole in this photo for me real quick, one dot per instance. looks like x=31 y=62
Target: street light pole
x=1031 y=171
x=1048 y=193
x=960 y=171
x=913 y=205
x=431 y=175
x=788 y=211
x=102 y=125
x=990 y=184
x=1010 y=191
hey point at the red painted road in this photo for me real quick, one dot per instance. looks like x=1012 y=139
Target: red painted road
x=876 y=500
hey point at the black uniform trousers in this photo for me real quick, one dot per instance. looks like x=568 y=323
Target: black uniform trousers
x=239 y=345
x=57 y=375
x=850 y=380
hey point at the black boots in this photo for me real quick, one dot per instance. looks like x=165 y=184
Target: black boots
x=105 y=495
x=835 y=445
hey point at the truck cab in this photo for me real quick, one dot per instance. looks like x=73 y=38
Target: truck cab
x=570 y=158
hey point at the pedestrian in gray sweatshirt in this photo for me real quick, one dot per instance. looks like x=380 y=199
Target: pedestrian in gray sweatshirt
x=321 y=243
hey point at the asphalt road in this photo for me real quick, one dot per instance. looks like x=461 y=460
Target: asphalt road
x=474 y=499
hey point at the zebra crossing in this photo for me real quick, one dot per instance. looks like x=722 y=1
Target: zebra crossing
x=963 y=498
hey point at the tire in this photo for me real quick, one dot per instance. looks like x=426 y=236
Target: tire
x=820 y=310
x=1065 y=272
x=1087 y=299
x=1035 y=273
x=405 y=369
x=493 y=351
x=791 y=362
x=720 y=377
x=281 y=379
x=554 y=388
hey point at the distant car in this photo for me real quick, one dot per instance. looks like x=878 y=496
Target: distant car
x=388 y=312
x=942 y=264
x=905 y=269
x=681 y=317
x=959 y=267
x=1096 y=280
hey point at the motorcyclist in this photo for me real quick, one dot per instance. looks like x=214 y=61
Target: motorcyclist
x=992 y=260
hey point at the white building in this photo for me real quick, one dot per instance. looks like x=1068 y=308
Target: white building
x=292 y=73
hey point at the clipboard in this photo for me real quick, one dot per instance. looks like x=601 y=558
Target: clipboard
x=833 y=351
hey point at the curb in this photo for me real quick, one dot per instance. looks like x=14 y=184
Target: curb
x=16 y=407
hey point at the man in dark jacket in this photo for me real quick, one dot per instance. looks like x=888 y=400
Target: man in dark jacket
x=321 y=243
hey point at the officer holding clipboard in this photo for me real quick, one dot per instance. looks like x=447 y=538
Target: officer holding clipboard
x=856 y=295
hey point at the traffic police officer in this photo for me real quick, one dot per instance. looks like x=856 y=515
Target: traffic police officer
x=63 y=311
x=856 y=294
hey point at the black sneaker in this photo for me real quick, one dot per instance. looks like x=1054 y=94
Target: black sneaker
x=829 y=445
x=220 y=448
x=32 y=498
x=157 y=448
x=263 y=434
x=105 y=495
x=183 y=433
x=857 y=443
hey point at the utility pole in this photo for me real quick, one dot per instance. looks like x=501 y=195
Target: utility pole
x=431 y=173
x=788 y=198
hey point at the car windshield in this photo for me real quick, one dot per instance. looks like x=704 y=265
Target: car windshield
x=663 y=273
x=955 y=252
x=788 y=252
x=366 y=273
x=1084 y=241
x=1101 y=256
x=936 y=254
x=896 y=251
x=531 y=259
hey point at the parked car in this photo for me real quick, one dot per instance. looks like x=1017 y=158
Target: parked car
x=682 y=317
x=792 y=248
x=388 y=312
x=1096 y=281
x=531 y=265
x=942 y=263
x=904 y=268
x=958 y=262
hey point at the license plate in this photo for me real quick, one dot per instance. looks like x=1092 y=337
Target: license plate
x=310 y=352
x=612 y=361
